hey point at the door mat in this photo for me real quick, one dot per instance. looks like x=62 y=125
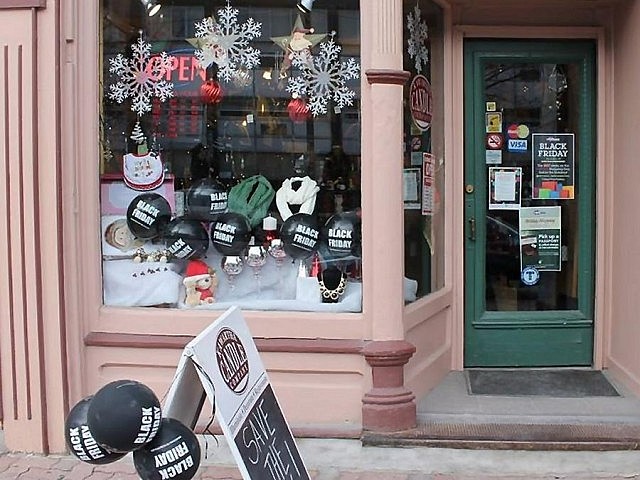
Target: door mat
x=549 y=383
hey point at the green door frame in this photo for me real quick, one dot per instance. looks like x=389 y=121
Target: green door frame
x=527 y=338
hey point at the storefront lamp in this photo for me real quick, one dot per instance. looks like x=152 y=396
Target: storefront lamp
x=151 y=6
x=305 y=6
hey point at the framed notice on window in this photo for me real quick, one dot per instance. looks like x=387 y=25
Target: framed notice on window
x=412 y=179
x=505 y=188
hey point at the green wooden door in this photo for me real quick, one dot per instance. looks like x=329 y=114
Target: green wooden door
x=529 y=202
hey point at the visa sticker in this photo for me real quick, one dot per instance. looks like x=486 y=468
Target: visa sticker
x=516 y=145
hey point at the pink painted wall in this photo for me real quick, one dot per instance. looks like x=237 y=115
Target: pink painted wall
x=32 y=330
x=623 y=353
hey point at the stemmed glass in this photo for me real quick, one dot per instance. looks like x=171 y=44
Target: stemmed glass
x=232 y=265
x=276 y=250
x=256 y=258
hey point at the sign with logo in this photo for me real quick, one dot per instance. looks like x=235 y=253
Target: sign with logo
x=516 y=145
x=494 y=141
x=493 y=122
x=530 y=276
x=421 y=99
x=226 y=360
x=518 y=131
x=553 y=166
x=493 y=157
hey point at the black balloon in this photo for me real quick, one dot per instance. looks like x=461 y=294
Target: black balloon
x=342 y=234
x=206 y=199
x=300 y=234
x=186 y=238
x=230 y=233
x=79 y=439
x=147 y=215
x=174 y=453
x=124 y=415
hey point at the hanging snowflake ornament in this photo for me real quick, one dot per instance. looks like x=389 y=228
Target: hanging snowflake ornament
x=226 y=43
x=323 y=78
x=418 y=36
x=141 y=77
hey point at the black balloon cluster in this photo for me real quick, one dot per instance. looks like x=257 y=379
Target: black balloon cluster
x=125 y=416
x=341 y=235
x=149 y=218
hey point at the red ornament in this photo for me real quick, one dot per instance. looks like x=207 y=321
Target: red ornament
x=298 y=110
x=211 y=92
x=316 y=269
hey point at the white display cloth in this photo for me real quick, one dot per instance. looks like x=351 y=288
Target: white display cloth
x=280 y=288
x=130 y=284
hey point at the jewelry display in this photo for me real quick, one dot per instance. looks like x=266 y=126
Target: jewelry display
x=332 y=284
x=141 y=255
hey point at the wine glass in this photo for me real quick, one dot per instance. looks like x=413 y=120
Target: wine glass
x=276 y=250
x=256 y=258
x=232 y=265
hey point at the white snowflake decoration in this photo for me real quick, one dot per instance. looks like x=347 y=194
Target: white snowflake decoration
x=323 y=78
x=418 y=36
x=141 y=77
x=226 y=43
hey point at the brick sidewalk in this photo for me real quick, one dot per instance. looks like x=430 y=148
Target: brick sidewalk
x=36 y=467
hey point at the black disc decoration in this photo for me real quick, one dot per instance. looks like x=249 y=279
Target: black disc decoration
x=174 y=453
x=124 y=415
x=206 y=199
x=300 y=234
x=185 y=238
x=342 y=234
x=230 y=233
x=147 y=215
x=79 y=439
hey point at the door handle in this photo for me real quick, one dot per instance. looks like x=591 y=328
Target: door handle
x=472 y=228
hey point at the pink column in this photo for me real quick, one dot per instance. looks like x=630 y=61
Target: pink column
x=388 y=406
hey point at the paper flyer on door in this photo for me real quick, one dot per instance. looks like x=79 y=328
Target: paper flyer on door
x=540 y=242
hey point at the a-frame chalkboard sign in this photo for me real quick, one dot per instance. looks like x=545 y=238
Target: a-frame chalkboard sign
x=223 y=364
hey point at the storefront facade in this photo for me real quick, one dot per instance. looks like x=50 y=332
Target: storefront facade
x=431 y=135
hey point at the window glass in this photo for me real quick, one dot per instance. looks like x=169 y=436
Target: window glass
x=424 y=149
x=230 y=154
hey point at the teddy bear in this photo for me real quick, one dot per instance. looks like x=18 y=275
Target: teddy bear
x=200 y=282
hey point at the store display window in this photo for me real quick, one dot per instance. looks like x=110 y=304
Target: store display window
x=424 y=156
x=230 y=154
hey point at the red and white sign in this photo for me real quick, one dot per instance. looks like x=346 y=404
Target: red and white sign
x=494 y=141
x=421 y=102
x=428 y=184
x=512 y=130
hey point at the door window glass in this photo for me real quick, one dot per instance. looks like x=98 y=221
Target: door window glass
x=230 y=154
x=531 y=264
x=424 y=155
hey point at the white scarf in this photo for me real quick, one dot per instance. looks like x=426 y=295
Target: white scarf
x=305 y=196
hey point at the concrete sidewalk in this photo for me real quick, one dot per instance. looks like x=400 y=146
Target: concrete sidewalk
x=349 y=460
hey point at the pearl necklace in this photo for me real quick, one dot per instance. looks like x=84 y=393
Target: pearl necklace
x=336 y=292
